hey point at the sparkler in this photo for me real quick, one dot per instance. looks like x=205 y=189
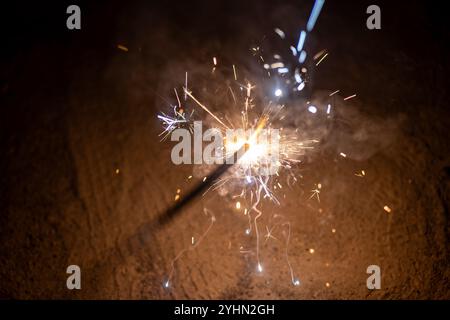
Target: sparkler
x=250 y=155
x=246 y=155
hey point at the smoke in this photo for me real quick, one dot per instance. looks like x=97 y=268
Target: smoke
x=348 y=128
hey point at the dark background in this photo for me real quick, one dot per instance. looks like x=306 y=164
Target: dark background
x=74 y=108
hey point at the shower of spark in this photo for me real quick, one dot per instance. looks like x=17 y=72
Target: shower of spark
x=247 y=173
x=245 y=178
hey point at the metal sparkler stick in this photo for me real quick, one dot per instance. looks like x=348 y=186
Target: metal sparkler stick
x=211 y=178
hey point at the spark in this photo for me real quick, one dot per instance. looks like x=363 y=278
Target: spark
x=122 y=47
x=260 y=268
x=316 y=192
x=241 y=250
x=278 y=93
x=314 y=14
x=254 y=208
x=280 y=33
x=312 y=109
x=343 y=155
x=297 y=77
x=185 y=86
x=302 y=57
x=350 y=97
x=362 y=174
x=171 y=123
x=205 y=108
x=301 y=41
x=293 y=50
x=191 y=247
x=249 y=89
x=319 y=54
x=333 y=93
x=295 y=281
x=321 y=59
x=277 y=65
x=269 y=235
x=309 y=27
x=387 y=209
x=215 y=61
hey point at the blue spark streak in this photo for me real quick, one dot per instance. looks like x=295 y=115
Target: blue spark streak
x=314 y=14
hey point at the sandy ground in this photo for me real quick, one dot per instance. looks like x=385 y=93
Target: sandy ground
x=75 y=109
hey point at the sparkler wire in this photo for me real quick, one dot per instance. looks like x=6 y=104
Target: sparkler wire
x=210 y=179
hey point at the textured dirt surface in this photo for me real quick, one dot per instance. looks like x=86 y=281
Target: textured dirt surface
x=75 y=109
